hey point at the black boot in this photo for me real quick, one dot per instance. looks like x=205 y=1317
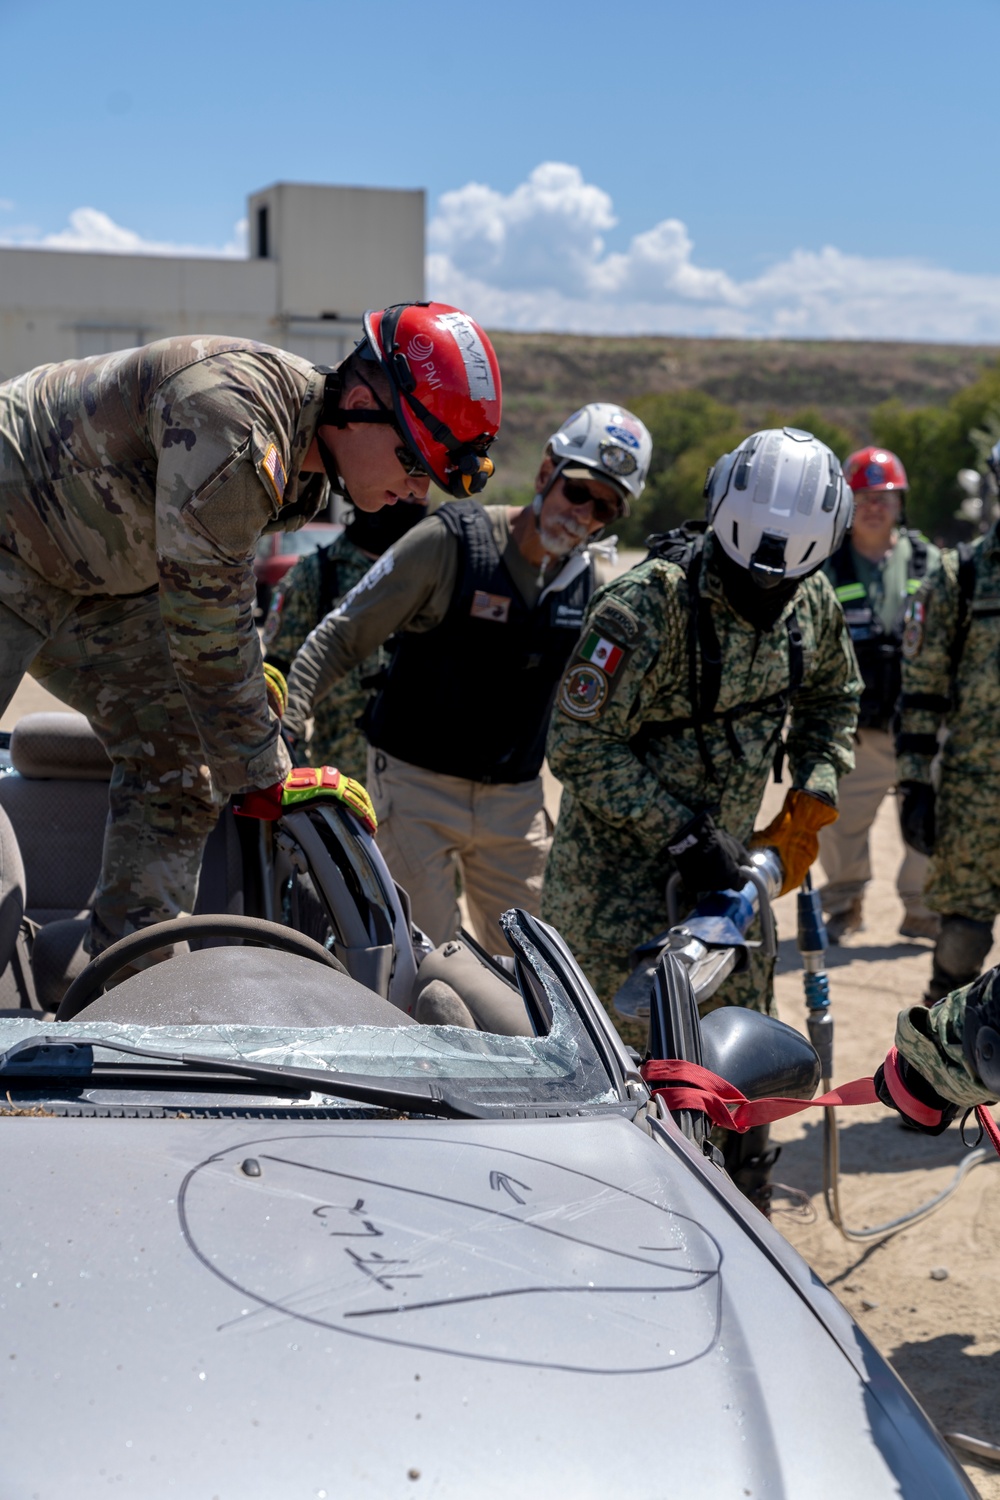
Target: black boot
x=959 y=954
x=749 y=1163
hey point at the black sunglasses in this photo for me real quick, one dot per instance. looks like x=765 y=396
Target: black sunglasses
x=410 y=462
x=604 y=511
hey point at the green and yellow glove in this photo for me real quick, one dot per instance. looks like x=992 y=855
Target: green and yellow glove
x=307 y=784
x=277 y=689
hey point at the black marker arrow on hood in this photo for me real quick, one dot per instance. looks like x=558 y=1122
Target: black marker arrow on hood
x=509 y=1185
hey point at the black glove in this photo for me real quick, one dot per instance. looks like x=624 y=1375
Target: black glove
x=707 y=857
x=916 y=1084
x=916 y=815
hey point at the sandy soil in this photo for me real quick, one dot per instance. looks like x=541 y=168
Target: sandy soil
x=942 y=1334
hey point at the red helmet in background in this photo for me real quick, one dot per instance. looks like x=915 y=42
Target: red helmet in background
x=446 y=392
x=875 y=469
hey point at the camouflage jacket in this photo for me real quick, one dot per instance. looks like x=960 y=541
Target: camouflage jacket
x=294 y=612
x=630 y=675
x=931 y=1040
x=159 y=468
x=970 y=706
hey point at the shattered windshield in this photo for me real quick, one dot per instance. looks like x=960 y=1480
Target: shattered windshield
x=558 y=1068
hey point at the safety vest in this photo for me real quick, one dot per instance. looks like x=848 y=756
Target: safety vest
x=877 y=649
x=473 y=696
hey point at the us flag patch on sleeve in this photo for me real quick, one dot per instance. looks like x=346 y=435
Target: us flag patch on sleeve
x=275 y=470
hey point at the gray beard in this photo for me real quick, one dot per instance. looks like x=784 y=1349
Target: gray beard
x=558 y=542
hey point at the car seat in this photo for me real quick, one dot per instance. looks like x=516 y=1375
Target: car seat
x=54 y=807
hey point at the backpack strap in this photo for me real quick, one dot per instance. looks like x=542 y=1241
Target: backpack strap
x=966 y=590
x=703 y=643
x=916 y=570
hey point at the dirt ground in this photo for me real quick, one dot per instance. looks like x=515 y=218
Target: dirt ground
x=941 y=1332
x=942 y=1335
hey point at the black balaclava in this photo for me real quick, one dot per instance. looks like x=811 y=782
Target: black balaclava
x=760 y=607
x=375 y=531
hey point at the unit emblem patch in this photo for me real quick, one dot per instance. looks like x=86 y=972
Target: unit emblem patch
x=583 y=692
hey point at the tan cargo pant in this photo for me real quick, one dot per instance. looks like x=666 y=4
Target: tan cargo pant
x=843 y=846
x=432 y=828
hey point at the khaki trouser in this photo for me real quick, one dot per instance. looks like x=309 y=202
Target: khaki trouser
x=431 y=827
x=843 y=846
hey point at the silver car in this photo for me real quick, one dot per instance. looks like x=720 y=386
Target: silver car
x=272 y=1230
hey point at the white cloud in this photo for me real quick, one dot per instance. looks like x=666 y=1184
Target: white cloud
x=90 y=229
x=537 y=258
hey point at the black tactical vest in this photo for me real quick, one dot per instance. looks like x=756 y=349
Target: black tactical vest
x=473 y=696
x=877 y=649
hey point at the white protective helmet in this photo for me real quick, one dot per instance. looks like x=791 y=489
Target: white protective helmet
x=609 y=441
x=779 y=504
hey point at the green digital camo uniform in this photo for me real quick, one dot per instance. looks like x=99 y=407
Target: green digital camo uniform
x=294 y=614
x=931 y=1041
x=965 y=867
x=133 y=490
x=607 y=872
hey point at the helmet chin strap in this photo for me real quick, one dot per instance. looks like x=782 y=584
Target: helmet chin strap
x=330 y=469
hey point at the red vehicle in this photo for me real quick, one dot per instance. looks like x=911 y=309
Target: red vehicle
x=277 y=551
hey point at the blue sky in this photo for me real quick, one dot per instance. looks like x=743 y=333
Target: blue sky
x=703 y=167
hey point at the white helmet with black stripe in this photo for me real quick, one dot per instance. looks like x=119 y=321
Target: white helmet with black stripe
x=609 y=441
x=779 y=504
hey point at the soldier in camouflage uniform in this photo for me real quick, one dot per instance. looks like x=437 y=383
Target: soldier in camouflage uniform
x=305 y=595
x=133 y=490
x=947 y=1057
x=951 y=649
x=655 y=782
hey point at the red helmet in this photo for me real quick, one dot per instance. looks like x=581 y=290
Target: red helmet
x=875 y=469
x=445 y=383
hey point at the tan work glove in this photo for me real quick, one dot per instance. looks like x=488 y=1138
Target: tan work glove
x=793 y=834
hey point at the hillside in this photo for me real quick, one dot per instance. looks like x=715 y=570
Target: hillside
x=547 y=375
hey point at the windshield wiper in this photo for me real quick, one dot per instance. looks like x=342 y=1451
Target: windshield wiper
x=73 y=1057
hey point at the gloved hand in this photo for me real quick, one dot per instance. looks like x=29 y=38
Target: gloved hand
x=900 y=1087
x=707 y=857
x=305 y=784
x=793 y=834
x=916 y=815
x=277 y=689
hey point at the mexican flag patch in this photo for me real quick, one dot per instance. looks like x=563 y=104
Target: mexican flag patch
x=602 y=652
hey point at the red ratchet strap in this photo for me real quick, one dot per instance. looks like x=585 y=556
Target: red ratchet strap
x=692 y=1087
x=924 y=1114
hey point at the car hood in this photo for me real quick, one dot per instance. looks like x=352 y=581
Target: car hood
x=369 y=1308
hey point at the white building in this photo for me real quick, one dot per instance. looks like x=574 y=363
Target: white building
x=318 y=257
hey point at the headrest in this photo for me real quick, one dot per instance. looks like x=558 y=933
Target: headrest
x=58 y=747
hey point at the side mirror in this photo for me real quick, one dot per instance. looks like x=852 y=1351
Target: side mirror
x=759 y=1054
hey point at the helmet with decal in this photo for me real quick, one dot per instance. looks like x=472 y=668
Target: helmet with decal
x=875 y=469
x=445 y=383
x=609 y=441
x=779 y=504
